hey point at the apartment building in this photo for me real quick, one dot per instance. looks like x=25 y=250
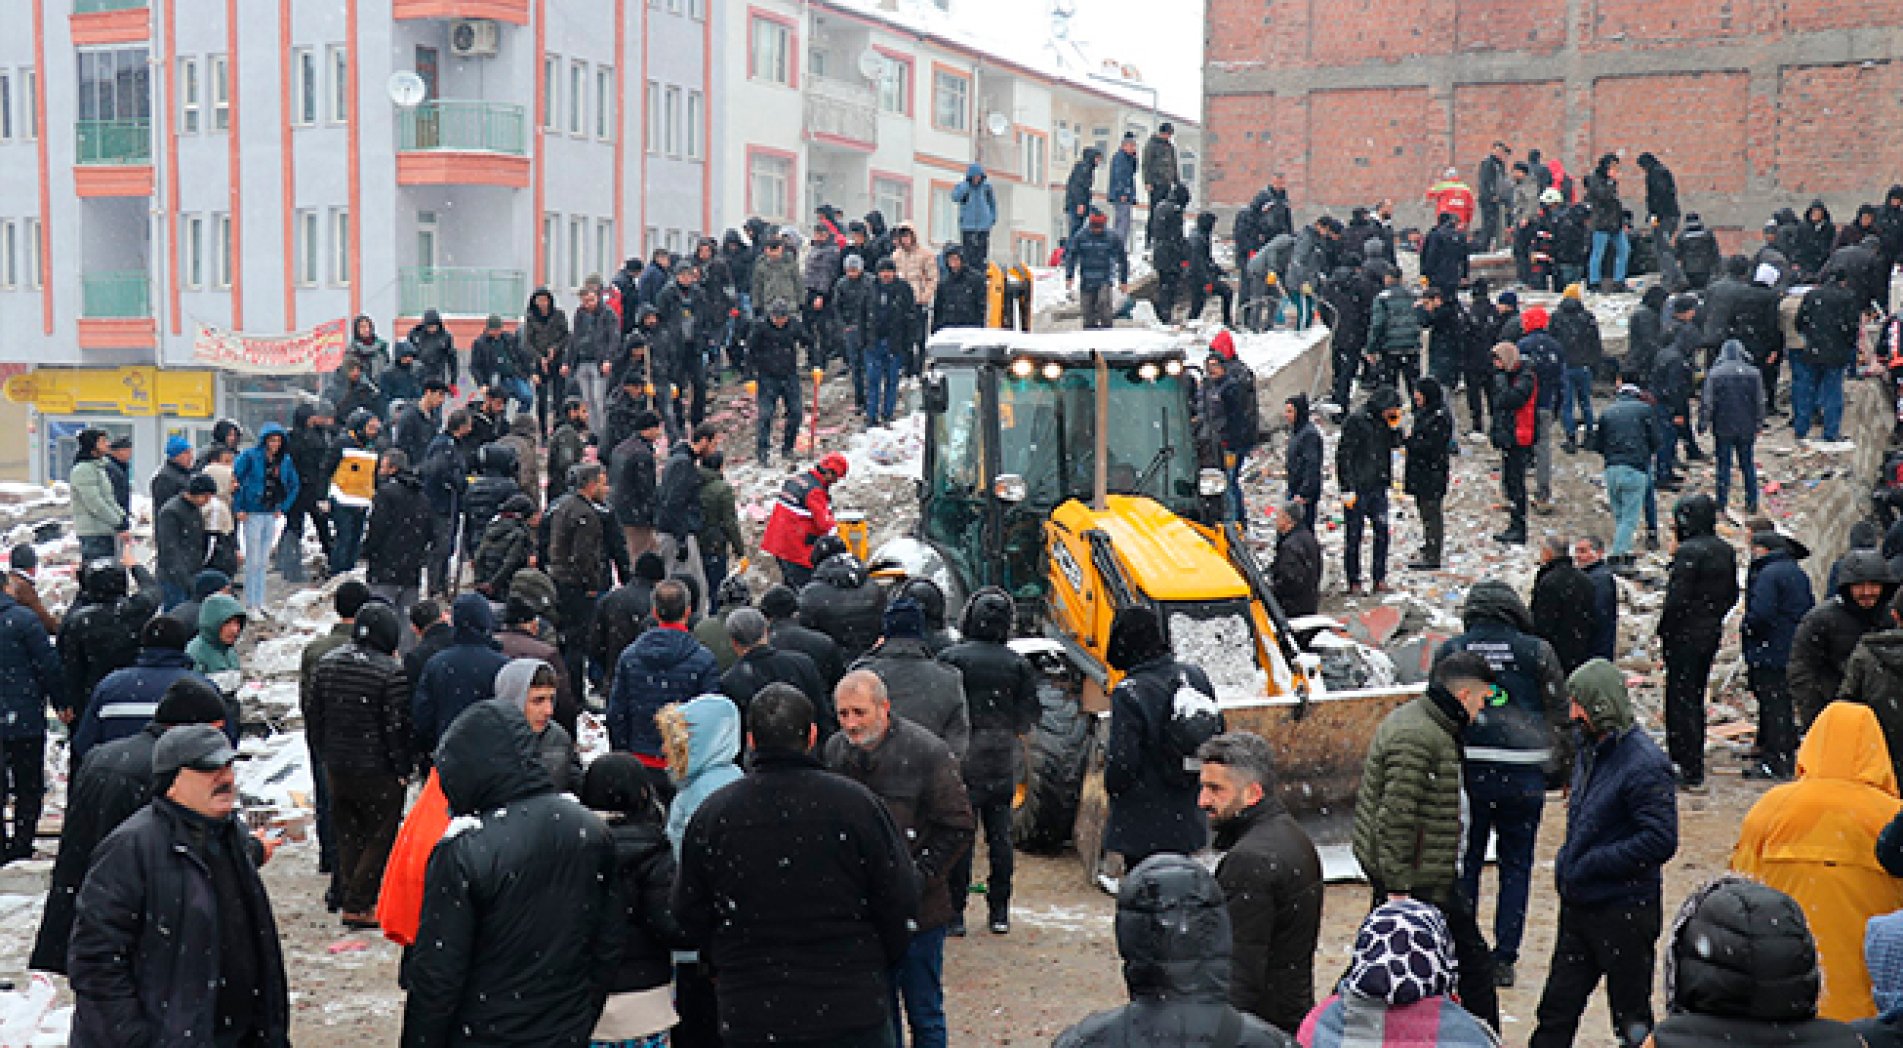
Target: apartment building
x=261 y=167
x=866 y=104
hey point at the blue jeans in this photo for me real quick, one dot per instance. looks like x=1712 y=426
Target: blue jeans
x=882 y=381
x=93 y=547
x=1747 y=465
x=1668 y=442
x=1622 y=250
x=1304 y=309
x=1625 y=489
x=1815 y=389
x=1370 y=508
x=257 y=532
x=775 y=392
x=1504 y=800
x=1238 y=509
x=521 y=391
x=349 y=521
x=1577 y=390
x=920 y=981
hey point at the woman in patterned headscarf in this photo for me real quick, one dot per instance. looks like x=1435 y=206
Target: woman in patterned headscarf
x=1398 y=988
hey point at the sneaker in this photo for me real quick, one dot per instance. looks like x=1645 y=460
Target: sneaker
x=1763 y=771
x=1503 y=974
x=957 y=928
x=1000 y=926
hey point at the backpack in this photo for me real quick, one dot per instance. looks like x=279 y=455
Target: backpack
x=1193 y=719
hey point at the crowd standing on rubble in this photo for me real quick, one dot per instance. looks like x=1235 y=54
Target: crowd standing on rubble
x=782 y=837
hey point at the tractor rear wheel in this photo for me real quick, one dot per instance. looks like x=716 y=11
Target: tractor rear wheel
x=1056 y=759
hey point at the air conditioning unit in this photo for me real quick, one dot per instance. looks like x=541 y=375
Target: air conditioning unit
x=473 y=38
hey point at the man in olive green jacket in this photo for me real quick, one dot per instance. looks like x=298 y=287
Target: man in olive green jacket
x=1407 y=832
x=98 y=518
x=720 y=536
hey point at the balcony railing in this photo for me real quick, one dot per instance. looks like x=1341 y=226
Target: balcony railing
x=114 y=141
x=836 y=108
x=468 y=292
x=105 y=296
x=481 y=127
x=89 y=7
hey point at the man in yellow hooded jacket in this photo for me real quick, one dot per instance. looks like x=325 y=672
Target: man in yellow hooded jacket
x=1815 y=840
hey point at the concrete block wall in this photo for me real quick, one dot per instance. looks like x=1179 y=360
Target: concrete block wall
x=1755 y=104
x=1837 y=503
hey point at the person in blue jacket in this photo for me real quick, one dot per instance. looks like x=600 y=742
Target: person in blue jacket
x=1777 y=597
x=1122 y=192
x=977 y=213
x=264 y=486
x=124 y=702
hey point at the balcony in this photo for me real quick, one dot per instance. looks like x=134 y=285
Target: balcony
x=93 y=7
x=98 y=23
x=116 y=310
x=461 y=292
x=113 y=158
x=841 y=115
x=446 y=142
x=514 y=12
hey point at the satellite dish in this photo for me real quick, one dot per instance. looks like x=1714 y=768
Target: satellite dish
x=407 y=89
x=997 y=124
x=871 y=64
x=1066 y=138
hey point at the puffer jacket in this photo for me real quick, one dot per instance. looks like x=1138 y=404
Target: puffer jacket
x=917 y=267
x=663 y=665
x=1873 y=676
x=1732 y=406
x=1523 y=734
x=594 y=337
x=844 y=604
x=1152 y=803
x=775 y=281
x=250 y=471
x=497 y=481
x=30 y=672
x=1272 y=877
x=1828 y=635
x=1578 y=334
x=359 y=715
x=1394 y=327
x=435 y=350
x=1097 y=258
x=1622 y=813
x=912 y=771
x=507 y=545
x=1777 y=597
x=576 y=543
x=644 y=878
x=1703 y=582
x=977 y=201
x=1828 y=319
x=1407 y=828
x=1173 y=933
x=1363 y=459
x=1425 y=476
x=1001 y=694
x=961 y=299
x=393 y=550
x=459 y=676
x=1741 y=970
x=631 y=482
x=523 y=885
x=101 y=633
x=924 y=691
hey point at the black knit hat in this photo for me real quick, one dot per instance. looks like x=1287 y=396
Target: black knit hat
x=191 y=699
x=164 y=631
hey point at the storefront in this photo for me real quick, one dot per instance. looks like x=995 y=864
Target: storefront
x=147 y=404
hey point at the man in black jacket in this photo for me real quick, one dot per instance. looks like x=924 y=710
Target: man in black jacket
x=850 y=295
x=309 y=446
x=924 y=690
x=1425 y=474
x=1829 y=632
x=178 y=532
x=102 y=633
x=175 y=473
x=1152 y=794
x=359 y=727
x=109 y=788
x=445 y=477
x=759 y=664
x=1271 y=878
x=913 y=772
x=1001 y=691
x=773 y=356
x=781 y=606
x=1295 y=575
x=1829 y=320
x=678 y=518
x=1661 y=202
x=1563 y=604
x=890 y=312
x=524 y=900
x=139 y=974
x=842 y=601
x=624 y=613
x=797 y=888
x=1304 y=462
x=430 y=632
x=1077 y=189
x=632 y=486
x=461 y=675
x=960 y=301
x=1699 y=592
x=1363 y=468
x=393 y=548
x=1205 y=273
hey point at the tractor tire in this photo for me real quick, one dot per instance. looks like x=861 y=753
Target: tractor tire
x=1056 y=760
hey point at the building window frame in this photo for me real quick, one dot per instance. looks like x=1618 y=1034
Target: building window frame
x=191 y=246
x=577 y=97
x=1034 y=156
x=551 y=92
x=308 y=247
x=30 y=101
x=35 y=256
x=577 y=245
x=551 y=249
x=221 y=263
x=6 y=105
x=789 y=181
x=778 y=37
x=949 y=83
x=890 y=193
x=942 y=211
x=191 y=95
x=895 y=89
x=672 y=108
x=605 y=103
x=340 y=247
x=9 y=254
x=304 y=90
x=338 y=73
x=218 y=86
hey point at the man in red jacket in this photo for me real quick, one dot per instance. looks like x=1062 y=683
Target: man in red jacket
x=801 y=515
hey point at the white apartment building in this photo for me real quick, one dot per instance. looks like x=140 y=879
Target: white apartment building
x=865 y=104
x=247 y=166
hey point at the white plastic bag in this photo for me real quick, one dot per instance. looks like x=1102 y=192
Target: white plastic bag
x=28 y=1018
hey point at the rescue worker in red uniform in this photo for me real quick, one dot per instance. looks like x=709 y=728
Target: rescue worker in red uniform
x=801 y=515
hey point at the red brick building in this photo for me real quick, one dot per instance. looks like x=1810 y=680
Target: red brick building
x=1754 y=104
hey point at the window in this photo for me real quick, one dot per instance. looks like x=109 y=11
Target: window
x=6 y=106
x=769 y=184
x=654 y=239
x=339 y=65
x=605 y=261
x=673 y=7
x=30 y=103
x=892 y=197
x=551 y=90
x=577 y=85
x=303 y=87
x=309 y=249
x=697 y=10
x=671 y=131
x=114 y=85
x=895 y=85
x=950 y=93
x=221 y=250
x=9 y=255
x=340 y=247
x=944 y=214
x=35 y=261
x=191 y=96
x=1031 y=148
x=577 y=243
x=604 y=102
x=652 y=132
x=191 y=252
x=220 y=92
x=817 y=63
x=551 y=246
x=771 y=58
x=696 y=121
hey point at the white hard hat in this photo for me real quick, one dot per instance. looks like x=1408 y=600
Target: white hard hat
x=1551 y=196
